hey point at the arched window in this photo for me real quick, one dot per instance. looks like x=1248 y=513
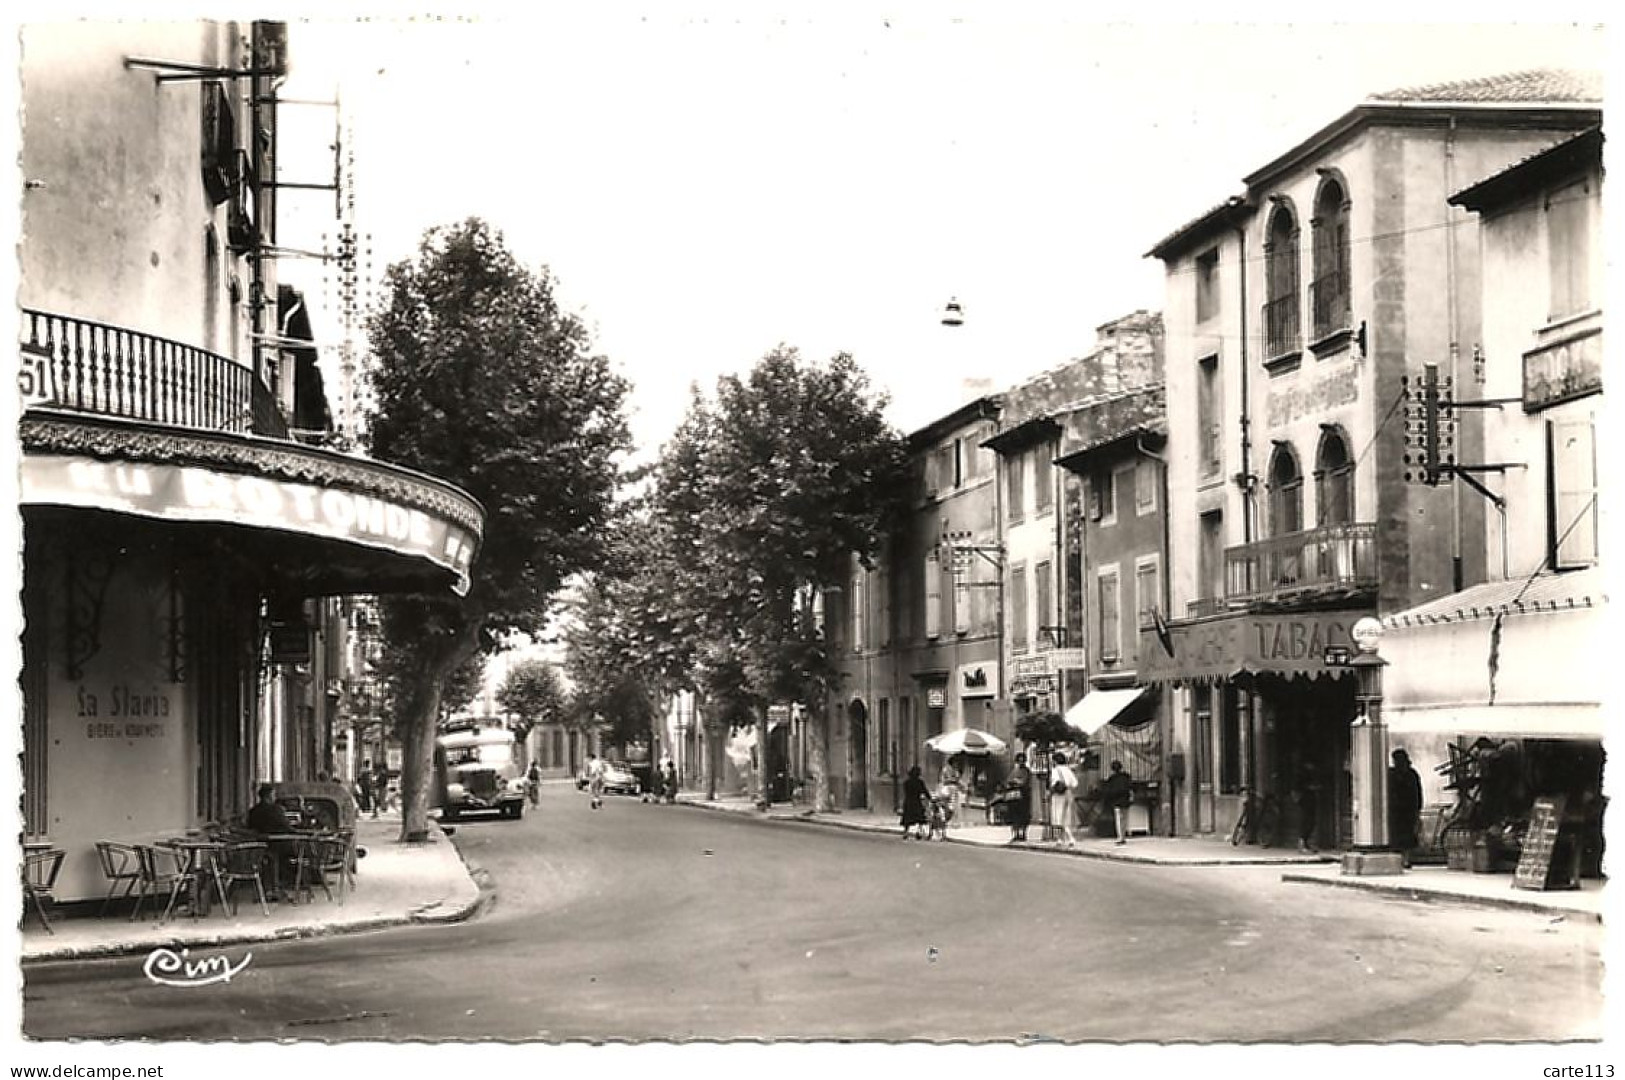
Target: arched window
x=1286 y=492
x=1281 y=323
x=1334 y=480
x=1329 y=291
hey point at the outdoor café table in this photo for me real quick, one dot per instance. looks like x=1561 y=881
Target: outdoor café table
x=196 y=858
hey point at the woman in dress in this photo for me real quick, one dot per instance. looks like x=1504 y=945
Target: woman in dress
x=1017 y=799
x=916 y=803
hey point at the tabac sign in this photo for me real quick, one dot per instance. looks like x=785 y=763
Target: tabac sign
x=1285 y=644
x=188 y=493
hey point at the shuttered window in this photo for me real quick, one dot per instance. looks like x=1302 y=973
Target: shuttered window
x=1574 y=492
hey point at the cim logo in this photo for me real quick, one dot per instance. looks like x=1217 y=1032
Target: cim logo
x=166 y=968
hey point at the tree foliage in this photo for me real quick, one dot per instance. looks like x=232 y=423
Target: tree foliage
x=481 y=379
x=533 y=693
x=759 y=504
x=1045 y=729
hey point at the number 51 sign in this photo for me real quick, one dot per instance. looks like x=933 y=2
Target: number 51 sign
x=35 y=381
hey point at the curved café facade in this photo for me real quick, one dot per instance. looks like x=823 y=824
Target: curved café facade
x=1260 y=699
x=156 y=560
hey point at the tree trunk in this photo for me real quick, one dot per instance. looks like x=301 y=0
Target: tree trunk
x=818 y=751
x=417 y=753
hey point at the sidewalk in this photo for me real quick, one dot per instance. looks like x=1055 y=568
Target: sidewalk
x=395 y=884
x=1427 y=883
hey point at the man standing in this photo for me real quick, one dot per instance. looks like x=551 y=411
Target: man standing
x=1404 y=804
x=1117 y=792
x=595 y=780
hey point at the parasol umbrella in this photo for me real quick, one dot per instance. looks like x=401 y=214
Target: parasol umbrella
x=965 y=741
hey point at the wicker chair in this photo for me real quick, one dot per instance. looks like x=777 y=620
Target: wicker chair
x=121 y=867
x=242 y=862
x=39 y=878
x=158 y=879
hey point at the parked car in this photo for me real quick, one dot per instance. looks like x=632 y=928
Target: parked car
x=618 y=779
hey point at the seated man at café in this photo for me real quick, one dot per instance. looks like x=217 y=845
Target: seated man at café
x=268 y=818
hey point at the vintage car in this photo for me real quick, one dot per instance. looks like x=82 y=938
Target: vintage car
x=618 y=779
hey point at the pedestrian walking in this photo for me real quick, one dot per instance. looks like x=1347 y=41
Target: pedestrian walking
x=1117 y=792
x=668 y=783
x=1404 y=805
x=1016 y=798
x=1063 y=785
x=916 y=804
x=595 y=781
x=380 y=789
x=533 y=784
x=363 y=787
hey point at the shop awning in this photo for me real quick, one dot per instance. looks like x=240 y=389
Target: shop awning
x=1098 y=708
x=1508 y=658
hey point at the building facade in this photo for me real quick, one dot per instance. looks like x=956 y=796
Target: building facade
x=178 y=540
x=1301 y=315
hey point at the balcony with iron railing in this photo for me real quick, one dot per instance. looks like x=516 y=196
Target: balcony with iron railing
x=92 y=367
x=1283 y=333
x=1329 y=561
x=1329 y=305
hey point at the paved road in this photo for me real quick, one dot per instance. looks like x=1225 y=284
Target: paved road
x=641 y=922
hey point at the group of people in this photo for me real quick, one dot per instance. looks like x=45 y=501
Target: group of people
x=1015 y=796
x=372 y=794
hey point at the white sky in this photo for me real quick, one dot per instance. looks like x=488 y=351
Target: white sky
x=707 y=187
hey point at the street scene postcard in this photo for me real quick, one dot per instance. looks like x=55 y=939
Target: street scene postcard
x=808 y=538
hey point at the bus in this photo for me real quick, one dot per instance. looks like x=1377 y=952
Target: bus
x=476 y=769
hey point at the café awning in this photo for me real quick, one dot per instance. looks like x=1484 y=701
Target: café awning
x=1505 y=658
x=1098 y=708
x=1286 y=644
x=330 y=522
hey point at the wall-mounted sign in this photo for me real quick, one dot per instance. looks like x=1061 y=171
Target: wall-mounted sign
x=1565 y=370
x=936 y=697
x=1219 y=648
x=978 y=679
x=188 y=493
x=1313 y=397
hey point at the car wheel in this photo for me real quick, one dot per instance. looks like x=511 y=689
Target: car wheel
x=518 y=810
x=448 y=813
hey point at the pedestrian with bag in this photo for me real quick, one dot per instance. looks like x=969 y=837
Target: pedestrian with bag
x=1117 y=792
x=1063 y=785
x=1016 y=798
x=916 y=803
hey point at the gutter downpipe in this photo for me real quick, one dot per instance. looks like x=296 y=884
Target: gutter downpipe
x=1249 y=502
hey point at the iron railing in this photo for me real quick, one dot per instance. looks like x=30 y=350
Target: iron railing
x=1329 y=303
x=1282 y=327
x=92 y=367
x=1331 y=558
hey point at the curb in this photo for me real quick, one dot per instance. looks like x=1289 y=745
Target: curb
x=1407 y=892
x=807 y=818
x=424 y=915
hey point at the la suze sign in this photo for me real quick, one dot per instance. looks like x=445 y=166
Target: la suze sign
x=188 y=493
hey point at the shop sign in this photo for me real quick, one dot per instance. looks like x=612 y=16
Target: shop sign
x=1565 y=370
x=1288 y=644
x=936 y=697
x=188 y=493
x=978 y=679
x=1024 y=667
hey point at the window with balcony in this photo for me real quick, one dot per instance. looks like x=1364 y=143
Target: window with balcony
x=1329 y=291
x=1334 y=480
x=1282 y=330
x=1207 y=285
x=1286 y=491
x=1209 y=442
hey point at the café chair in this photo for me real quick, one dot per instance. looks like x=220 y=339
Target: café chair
x=159 y=876
x=243 y=862
x=39 y=878
x=120 y=866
